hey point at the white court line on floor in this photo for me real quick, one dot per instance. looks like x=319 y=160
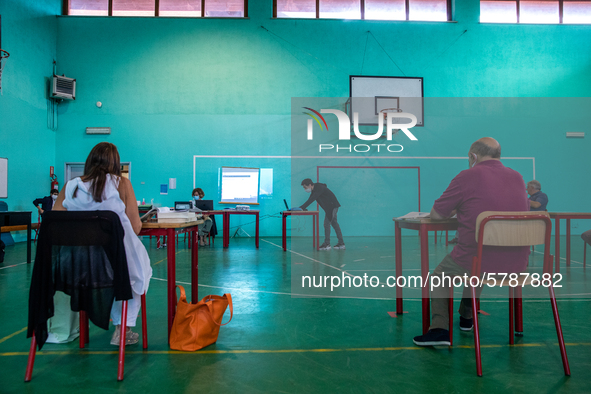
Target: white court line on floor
x=249 y=157
x=306 y=257
x=562 y=258
x=358 y=260
x=10 y=266
x=352 y=298
x=278 y=292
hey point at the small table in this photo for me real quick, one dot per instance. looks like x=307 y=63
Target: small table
x=423 y=226
x=568 y=216
x=171 y=231
x=22 y=219
x=229 y=212
x=314 y=214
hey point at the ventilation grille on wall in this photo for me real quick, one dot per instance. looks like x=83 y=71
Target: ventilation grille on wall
x=98 y=130
x=63 y=88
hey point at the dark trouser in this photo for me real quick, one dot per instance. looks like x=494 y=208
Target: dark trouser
x=203 y=228
x=337 y=229
x=440 y=295
x=587 y=236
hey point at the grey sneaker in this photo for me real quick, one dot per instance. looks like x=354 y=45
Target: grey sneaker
x=339 y=246
x=324 y=246
x=131 y=338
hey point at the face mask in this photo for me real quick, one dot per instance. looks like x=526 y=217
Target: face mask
x=196 y=198
x=54 y=197
x=308 y=190
x=470 y=165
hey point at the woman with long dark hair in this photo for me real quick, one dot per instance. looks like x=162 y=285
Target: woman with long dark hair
x=103 y=188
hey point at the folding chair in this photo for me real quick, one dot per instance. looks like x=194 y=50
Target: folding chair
x=512 y=229
x=82 y=254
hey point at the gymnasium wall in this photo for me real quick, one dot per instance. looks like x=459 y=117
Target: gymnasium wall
x=29 y=34
x=173 y=88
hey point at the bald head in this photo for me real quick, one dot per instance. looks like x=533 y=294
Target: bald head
x=485 y=148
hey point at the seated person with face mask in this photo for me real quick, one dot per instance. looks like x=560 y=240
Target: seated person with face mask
x=205 y=227
x=46 y=202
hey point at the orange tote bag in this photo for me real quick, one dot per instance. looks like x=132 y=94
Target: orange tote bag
x=196 y=326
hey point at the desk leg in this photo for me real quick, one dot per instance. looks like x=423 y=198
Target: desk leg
x=29 y=242
x=446 y=239
x=557 y=245
x=313 y=232
x=318 y=230
x=170 y=255
x=226 y=229
x=256 y=237
x=194 y=267
x=398 y=257
x=568 y=242
x=424 y=234
x=284 y=233
x=518 y=310
x=436 y=232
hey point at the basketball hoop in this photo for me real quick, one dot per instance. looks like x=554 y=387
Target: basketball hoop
x=385 y=113
x=3 y=56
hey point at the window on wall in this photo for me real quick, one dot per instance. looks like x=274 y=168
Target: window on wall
x=180 y=8
x=414 y=10
x=535 y=11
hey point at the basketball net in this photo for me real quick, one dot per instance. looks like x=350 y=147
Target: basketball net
x=3 y=56
x=384 y=112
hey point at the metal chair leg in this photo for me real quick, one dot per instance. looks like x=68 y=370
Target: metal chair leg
x=511 y=315
x=476 y=334
x=144 y=322
x=122 y=340
x=31 y=361
x=451 y=316
x=82 y=322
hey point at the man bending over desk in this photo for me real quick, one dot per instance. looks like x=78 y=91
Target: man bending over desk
x=328 y=202
x=486 y=186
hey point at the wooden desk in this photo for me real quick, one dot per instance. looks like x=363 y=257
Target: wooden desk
x=227 y=214
x=171 y=231
x=17 y=220
x=423 y=226
x=314 y=214
x=568 y=216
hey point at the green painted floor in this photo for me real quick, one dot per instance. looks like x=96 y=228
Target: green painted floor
x=283 y=344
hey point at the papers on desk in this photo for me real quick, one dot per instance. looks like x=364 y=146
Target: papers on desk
x=169 y=216
x=149 y=214
x=416 y=215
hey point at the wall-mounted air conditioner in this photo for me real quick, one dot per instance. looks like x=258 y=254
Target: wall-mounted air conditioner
x=63 y=88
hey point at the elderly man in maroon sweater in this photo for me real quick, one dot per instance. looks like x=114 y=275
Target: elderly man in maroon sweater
x=486 y=186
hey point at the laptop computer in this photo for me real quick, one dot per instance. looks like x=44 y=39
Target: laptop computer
x=204 y=205
x=291 y=209
x=182 y=205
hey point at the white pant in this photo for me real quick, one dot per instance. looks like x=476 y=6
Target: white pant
x=133 y=308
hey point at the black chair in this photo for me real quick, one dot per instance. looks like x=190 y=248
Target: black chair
x=82 y=254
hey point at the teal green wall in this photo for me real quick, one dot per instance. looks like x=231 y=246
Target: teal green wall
x=29 y=34
x=173 y=88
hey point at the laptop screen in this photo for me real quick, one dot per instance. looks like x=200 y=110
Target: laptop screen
x=286 y=206
x=182 y=205
x=204 y=205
